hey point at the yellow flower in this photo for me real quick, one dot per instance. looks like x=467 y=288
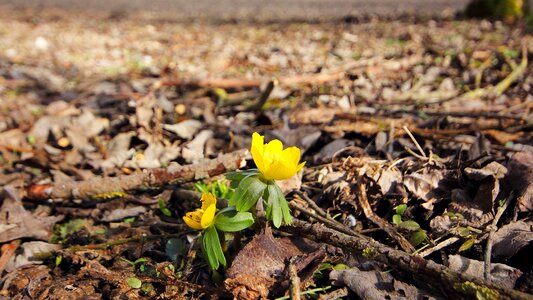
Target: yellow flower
x=203 y=217
x=274 y=162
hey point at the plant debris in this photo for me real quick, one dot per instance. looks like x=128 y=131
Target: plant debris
x=415 y=132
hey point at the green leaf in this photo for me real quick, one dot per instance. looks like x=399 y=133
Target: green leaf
x=409 y=225
x=418 y=238
x=163 y=208
x=277 y=208
x=211 y=242
x=396 y=219
x=175 y=248
x=230 y=220
x=249 y=191
x=59 y=259
x=201 y=187
x=340 y=267
x=236 y=177
x=285 y=210
x=467 y=244
x=147 y=287
x=463 y=231
x=134 y=282
x=400 y=209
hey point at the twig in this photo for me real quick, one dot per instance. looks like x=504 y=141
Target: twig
x=443 y=276
x=311 y=203
x=362 y=199
x=336 y=294
x=333 y=75
x=295 y=281
x=490 y=239
x=107 y=245
x=439 y=246
x=466 y=114
x=503 y=85
x=107 y=187
x=414 y=141
x=326 y=221
x=228 y=83
x=263 y=97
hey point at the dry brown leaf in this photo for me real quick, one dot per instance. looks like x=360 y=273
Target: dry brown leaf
x=312 y=115
x=261 y=264
x=185 y=129
x=501 y=136
x=376 y=285
x=423 y=185
x=27 y=253
x=520 y=178
x=16 y=222
x=510 y=238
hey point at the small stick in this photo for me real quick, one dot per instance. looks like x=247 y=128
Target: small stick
x=490 y=239
x=336 y=294
x=263 y=97
x=439 y=246
x=295 y=281
x=414 y=141
x=451 y=280
x=311 y=203
x=106 y=187
x=326 y=221
x=362 y=199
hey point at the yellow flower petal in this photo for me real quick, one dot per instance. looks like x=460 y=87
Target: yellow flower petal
x=208 y=199
x=280 y=171
x=300 y=166
x=291 y=155
x=274 y=162
x=208 y=216
x=257 y=149
x=274 y=147
x=192 y=219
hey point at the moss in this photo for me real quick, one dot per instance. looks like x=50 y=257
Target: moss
x=107 y=196
x=480 y=292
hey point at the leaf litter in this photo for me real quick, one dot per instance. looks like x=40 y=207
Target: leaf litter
x=430 y=115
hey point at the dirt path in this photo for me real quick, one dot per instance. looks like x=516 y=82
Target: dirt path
x=257 y=9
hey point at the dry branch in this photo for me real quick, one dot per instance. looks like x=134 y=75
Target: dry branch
x=105 y=187
x=442 y=276
x=314 y=79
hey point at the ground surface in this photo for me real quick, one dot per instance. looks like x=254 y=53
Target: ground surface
x=416 y=134
x=256 y=9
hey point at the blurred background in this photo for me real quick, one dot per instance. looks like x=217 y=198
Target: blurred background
x=241 y=9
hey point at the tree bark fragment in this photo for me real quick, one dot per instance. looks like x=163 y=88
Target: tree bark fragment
x=105 y=187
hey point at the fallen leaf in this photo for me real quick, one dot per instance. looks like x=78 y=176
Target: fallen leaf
x=26 y=256
x=512 y=237
x=16 y=222
x=185 y=129
x=194 y=150
x=261 y=264
x=423 y=185
x=376 y=285
x=520 y=178
x=118 y=150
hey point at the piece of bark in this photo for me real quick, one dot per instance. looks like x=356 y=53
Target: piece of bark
x=104 y=187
